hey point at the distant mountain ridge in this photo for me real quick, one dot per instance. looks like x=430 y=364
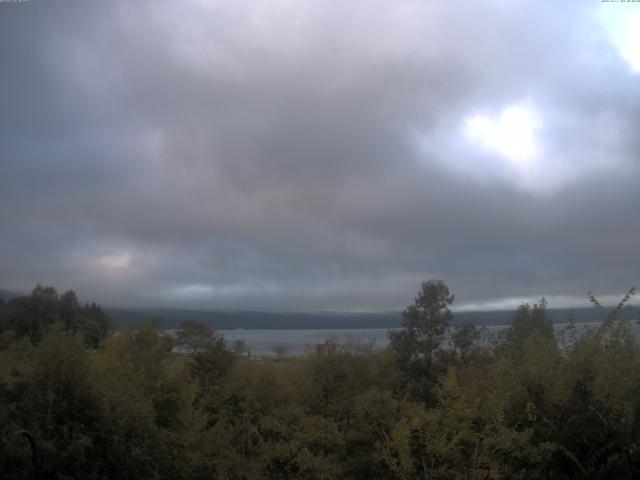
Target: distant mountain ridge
x=229 y=320
x=223 y=320
x=8 y=295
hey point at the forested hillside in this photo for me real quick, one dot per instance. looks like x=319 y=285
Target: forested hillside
x=119 y=404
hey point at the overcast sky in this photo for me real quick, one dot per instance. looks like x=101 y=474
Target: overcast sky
x=304 y=155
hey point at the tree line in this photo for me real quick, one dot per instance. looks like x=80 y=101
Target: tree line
x=439 y=402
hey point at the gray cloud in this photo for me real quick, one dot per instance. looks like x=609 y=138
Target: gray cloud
x=311 y=155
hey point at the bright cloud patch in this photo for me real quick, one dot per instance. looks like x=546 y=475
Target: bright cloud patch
x=623 y=26
x=202 y=291
x=193 y=291
x=512 y=133
x=120 y=261
x=631 y=48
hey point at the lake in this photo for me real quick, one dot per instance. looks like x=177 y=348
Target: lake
x=294 y=341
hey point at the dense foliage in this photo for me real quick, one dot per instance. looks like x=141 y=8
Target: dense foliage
x=32 y=317
x=124 y=405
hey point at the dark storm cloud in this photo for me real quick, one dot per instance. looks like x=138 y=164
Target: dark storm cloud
x=304 y=155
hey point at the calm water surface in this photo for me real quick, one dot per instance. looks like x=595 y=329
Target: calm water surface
x=263 y=342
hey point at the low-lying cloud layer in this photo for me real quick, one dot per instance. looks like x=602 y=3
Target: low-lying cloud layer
x=317 y=154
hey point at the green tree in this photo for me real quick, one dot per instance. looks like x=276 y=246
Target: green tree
x=527 y=322
x=464 y=339
x=211 y=363
x=51 y=391
x=150 y=400
x=425 y=324
x=93 y=323
x=193 y=336
x=32 y=316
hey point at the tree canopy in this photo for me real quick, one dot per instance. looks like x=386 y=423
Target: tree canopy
x=530 y=404
x=32 y=316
